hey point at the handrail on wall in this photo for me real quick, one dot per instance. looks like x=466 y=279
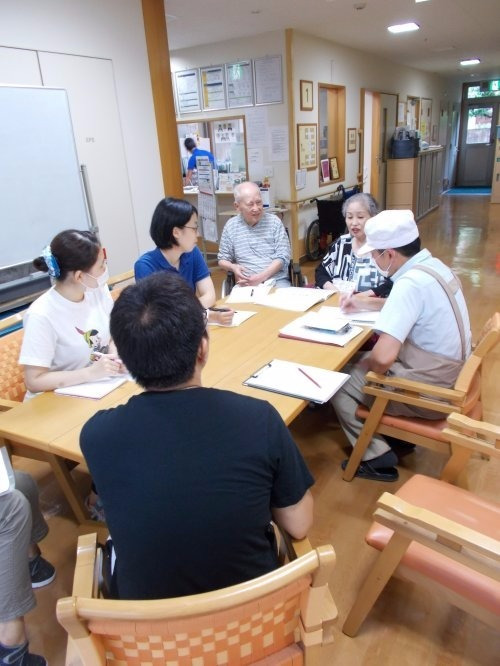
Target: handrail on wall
x=310 y=199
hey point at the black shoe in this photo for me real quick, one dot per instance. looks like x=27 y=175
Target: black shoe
x=41 y=572
x=367 y=471
x=400 y=447
x=18 y=655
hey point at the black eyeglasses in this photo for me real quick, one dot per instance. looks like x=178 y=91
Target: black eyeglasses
x=186 y=226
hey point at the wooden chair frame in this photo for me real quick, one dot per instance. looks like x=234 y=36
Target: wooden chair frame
x=462 y=398
x=317 y=612
x=412 y=523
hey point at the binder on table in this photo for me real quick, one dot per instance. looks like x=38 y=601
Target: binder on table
x=306 y=382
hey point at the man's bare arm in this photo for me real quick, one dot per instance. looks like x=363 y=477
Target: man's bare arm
x=296 y=519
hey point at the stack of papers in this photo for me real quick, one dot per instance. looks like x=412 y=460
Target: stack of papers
x=301 y=329
x=95 y=390
x=363 y=317
x=297 y=380
x=297 y=299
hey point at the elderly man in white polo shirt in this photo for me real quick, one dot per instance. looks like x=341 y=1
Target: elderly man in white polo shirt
x=424 y=331
x=254 y=244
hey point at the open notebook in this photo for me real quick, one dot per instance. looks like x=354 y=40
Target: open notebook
x=297 y=380
x=94 y=390
x=296 y=299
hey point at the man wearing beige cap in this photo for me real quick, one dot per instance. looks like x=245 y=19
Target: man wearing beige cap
x=424 y=332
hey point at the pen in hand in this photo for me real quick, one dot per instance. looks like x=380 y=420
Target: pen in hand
x=309 y=377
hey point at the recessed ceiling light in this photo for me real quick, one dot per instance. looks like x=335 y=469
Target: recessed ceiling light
x=471 y=61
x=421 y=0
x=403 y=27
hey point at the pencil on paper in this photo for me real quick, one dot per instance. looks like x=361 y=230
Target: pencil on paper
x=309 y=377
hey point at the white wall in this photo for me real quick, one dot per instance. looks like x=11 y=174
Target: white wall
x=110 y=29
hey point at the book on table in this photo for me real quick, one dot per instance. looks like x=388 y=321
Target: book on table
x=248 y=294
x=297 y=380
x=363 y=317
x=313 y=327
x=95 y=390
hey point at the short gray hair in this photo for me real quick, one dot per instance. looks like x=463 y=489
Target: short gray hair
x=237 y=188
x=365 y=199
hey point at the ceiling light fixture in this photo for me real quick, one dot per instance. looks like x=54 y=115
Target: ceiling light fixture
x=403 y=27
x=471 y=61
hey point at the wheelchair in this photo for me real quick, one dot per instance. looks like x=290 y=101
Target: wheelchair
x=330 y=223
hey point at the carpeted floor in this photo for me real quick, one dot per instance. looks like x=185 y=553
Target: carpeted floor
x=469 y=190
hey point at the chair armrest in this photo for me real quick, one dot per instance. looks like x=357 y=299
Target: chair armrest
x=414 y=393
x=121 y=277
x=466 y=433
x=8 y=404
x=461 y=543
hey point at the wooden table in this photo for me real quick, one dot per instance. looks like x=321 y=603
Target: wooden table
x=51 y=423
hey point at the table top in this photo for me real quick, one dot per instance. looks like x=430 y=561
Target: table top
x=52 y=422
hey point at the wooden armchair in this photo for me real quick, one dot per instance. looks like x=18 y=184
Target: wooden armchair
x=284 y=618
x=440 y=536
x=464 y=398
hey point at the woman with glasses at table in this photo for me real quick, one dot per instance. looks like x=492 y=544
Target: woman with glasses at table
x=66 y=337
x=174 y=231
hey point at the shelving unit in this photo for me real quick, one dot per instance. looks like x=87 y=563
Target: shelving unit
x=415 y=183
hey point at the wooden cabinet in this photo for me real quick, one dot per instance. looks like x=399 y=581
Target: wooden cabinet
x=415 y=183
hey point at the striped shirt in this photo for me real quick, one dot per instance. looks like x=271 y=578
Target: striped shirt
x=256 y=247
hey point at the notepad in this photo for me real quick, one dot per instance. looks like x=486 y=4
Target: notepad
x=6 y=474
x=298 y=330
x=247 y=294
x=238 y=318
x=324 y=320
x=296 y=299
x=306 y=382
x=95 y=390
x=363 y=317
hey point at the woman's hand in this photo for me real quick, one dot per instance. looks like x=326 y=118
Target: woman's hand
x=224 y=317
x=106 y=365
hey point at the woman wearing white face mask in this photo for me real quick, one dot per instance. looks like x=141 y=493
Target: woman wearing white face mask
x=66 y=330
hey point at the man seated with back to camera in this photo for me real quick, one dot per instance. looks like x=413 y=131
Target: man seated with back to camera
x=424 y=332
x=189 y=477
x=254 y=244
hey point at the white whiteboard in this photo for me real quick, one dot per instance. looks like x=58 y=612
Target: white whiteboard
x=41 y=190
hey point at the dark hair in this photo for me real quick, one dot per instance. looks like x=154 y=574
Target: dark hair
x=189 y=144
x=366 y=199
x=169 y=213
x=73 y=250
x=157 y=325
x=411 y=249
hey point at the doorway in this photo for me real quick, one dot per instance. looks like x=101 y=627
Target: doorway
x=477 y=142
x=378 y=121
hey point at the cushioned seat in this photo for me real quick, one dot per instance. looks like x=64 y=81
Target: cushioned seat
x=461 y=506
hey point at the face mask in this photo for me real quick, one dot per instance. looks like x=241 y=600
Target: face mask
x=101 y=280
x=384 y=273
